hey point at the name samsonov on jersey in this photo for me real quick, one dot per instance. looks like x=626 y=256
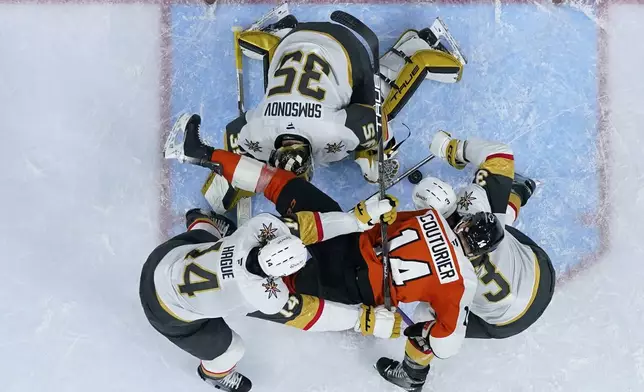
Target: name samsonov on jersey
x=293 y=109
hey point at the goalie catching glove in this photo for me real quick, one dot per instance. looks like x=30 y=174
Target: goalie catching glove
x=379 y=322
x=369 y=213
x=368 y=162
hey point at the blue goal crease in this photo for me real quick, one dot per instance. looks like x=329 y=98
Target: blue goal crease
x=531 y=82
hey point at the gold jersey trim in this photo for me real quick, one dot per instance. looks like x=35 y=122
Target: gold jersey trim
x=167 y=309
x=537 y=278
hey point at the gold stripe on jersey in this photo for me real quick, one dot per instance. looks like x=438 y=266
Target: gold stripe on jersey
x=346 y=54
x=167 y=309
x=308 y=223
x=537 y=278
x=515 y=203
x=499 y=165
x=419 y=356
x=308 y=312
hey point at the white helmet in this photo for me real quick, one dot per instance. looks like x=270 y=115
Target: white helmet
x=282 y=256
x=434 y=193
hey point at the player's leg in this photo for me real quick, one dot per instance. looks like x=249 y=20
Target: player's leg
x=478 y=328
x=413 y=58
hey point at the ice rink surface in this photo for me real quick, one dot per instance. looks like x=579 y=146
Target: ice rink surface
x=88 y=90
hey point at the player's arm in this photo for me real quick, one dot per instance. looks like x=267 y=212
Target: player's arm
x=313 y=227
x=314 y=314
x=494 y=162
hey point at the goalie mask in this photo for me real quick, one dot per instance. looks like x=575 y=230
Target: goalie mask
x=479 y=233
x=293 y=153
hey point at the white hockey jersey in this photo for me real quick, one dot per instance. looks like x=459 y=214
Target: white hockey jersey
x=210 y=280
x=508 y=276
x=309 y=92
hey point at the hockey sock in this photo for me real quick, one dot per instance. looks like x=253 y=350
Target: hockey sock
x=514 y=206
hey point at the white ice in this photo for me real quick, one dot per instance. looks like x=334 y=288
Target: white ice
x=79 y=92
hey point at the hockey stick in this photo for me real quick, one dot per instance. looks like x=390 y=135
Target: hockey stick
x=372 y=41
x=244 y=205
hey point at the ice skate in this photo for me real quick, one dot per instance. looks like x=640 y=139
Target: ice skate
x=224 y=225
x=232 y=382
x=400 y=374
x=184 y=143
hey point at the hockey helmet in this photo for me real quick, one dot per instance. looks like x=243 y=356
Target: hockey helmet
x=434 y=193
x=293 y=153
x=282 y=256
x=479 y=233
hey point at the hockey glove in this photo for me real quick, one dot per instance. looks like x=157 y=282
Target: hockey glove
x=451 y=150
x=369 y=213
x=379 y=322
x=368 y=162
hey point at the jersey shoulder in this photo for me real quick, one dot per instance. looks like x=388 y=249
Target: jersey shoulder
x=472 y=199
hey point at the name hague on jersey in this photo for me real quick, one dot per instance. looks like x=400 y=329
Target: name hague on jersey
x=226 y=262
x=438 y=245
x=293 y=109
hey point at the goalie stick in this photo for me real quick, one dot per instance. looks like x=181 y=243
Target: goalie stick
x=372 y=41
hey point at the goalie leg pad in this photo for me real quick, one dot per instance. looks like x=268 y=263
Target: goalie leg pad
x=432 y=64
x=220 y=195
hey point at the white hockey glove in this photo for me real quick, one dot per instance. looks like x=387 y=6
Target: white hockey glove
x=371 y=212
x=282 y=256
x=451 y=150
x=379 y=322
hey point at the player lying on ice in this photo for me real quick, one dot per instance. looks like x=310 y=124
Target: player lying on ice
x=319 y=96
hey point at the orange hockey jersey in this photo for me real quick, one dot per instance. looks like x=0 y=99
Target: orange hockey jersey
x=428 y=265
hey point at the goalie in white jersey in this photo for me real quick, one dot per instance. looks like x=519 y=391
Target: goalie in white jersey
x=192 y=281
x=318 y=105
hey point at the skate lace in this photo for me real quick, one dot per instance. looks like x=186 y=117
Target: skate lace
x=232 y=380
x=397 y=372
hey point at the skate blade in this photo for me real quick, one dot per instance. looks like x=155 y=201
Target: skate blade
x=173 y=148
x=440 y=30
x=271 y=17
